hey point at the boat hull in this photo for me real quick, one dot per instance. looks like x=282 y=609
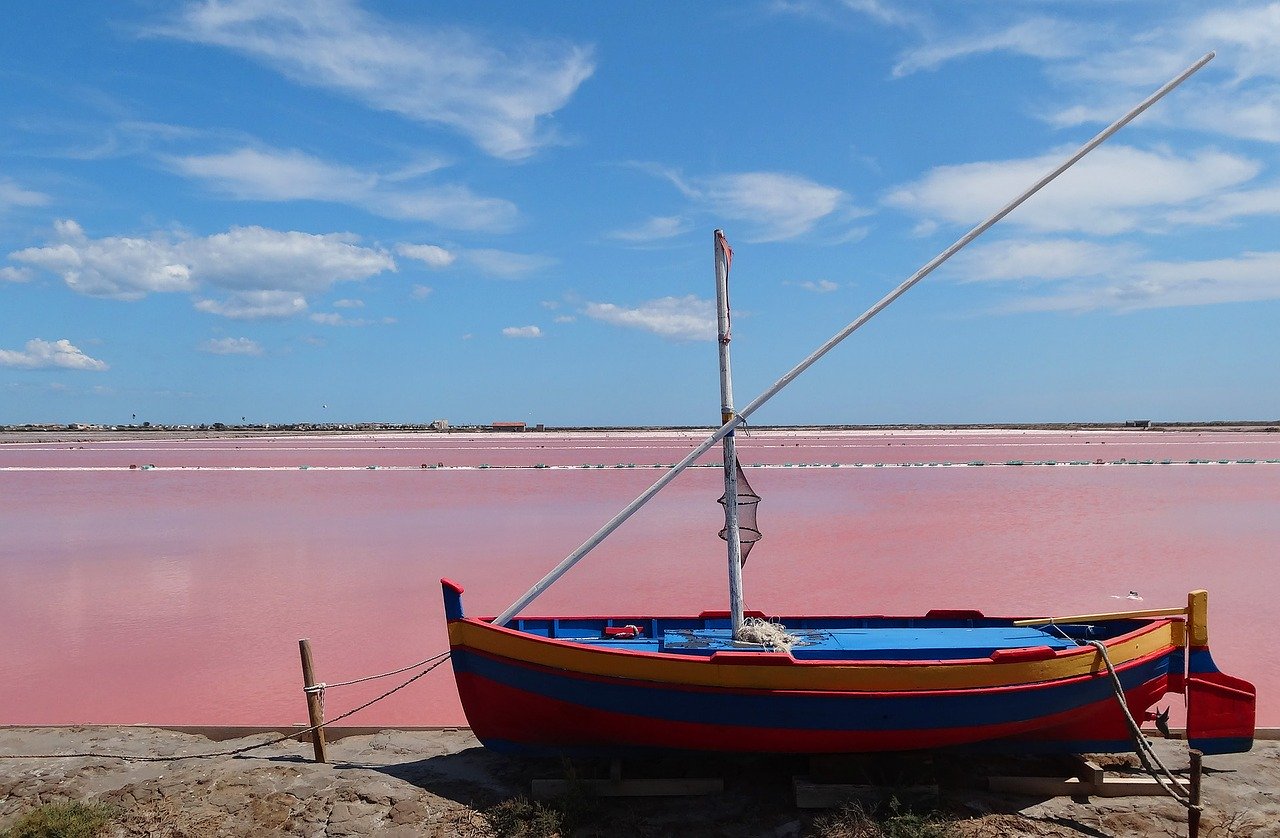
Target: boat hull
x=529 y=694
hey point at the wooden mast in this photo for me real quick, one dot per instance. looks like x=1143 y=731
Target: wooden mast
x=732 y=535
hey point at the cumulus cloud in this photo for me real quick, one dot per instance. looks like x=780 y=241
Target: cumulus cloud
x=11 y=274
x=677 y=318
x=655 y=229
x=522 y=332
x=821 y=286
x=348 y=303
x=1116 y=189
x=231 y=346
x=421 y=292
x=289 y=175
x=263 y=272
x=494 y=92
x=432 y=255
x=44 y=354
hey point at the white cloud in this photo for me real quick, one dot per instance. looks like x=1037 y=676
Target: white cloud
x=1044 y=38
x=433 y=255
x=290 y=175
x=1071 y=275
x=1249 y=277
x=43 y=354
x=505 y=264
x=13 y=195
x=11 y=274
x=267 y=272
x=779 y=206
x=565 y=318
x=678 y=318
x=348 y=303
x=231 y=346
x=121 y=267
x=335 y=319
x=421 y=292
x=655 y=229
x=1232 y=206
x=522 y=332
x=1116 y=189
x=1041 y=259
x=249 y=305
x=493 y=92
x=890 y=14
x=821 y=286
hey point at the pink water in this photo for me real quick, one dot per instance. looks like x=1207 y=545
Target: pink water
x=176 y=595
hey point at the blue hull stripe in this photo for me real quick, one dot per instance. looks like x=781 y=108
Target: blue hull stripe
x=807 y=711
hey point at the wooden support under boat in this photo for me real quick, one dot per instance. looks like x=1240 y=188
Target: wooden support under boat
x=616 y=786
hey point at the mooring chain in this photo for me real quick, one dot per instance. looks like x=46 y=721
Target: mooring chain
x=435 y=662
x=1146 y=754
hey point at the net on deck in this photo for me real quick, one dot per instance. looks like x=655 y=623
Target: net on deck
x=748 y=531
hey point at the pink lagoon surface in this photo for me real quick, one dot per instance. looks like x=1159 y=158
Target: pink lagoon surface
x=176 y=594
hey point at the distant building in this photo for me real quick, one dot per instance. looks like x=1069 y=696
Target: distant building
x=439 y=425
x=508 y=426
x=1138 y=423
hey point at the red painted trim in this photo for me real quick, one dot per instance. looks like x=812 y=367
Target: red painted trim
x=1030 y=653
x=454 y=586
x=953 y=614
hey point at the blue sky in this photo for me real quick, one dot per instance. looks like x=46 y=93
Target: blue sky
x=402 y=211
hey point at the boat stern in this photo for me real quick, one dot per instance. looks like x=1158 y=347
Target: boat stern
x=1221 y=709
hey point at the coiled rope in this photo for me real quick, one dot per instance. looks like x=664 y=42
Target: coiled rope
x=434 y=661
x=1170 y=784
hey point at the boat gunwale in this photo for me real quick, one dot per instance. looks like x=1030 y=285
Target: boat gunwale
x=782 y=671
x=682 y=686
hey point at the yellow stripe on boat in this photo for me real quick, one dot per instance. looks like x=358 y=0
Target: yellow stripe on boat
x=853 y=676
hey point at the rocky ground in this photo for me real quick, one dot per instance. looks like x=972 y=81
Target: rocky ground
x=441 y=783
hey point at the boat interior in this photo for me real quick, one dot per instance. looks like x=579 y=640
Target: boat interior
x=957 y=636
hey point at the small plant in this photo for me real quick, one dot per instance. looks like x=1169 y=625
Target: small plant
x=65 y=819
x=853 y=821
x=521 y=817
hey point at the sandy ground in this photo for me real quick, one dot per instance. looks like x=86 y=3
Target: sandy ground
x=441 y=783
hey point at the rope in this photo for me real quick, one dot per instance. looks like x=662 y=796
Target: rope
x=1146 y=754
x=442 y=657
x=320 y=688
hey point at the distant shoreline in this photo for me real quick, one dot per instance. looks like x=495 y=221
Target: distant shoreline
x=75 y=432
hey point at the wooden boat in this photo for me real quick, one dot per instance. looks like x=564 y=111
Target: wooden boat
x=612 y=685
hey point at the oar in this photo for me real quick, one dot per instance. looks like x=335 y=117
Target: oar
x=1098 y=618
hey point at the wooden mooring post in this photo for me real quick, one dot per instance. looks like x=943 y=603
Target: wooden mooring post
x=1193 y=814
x=315 y=706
